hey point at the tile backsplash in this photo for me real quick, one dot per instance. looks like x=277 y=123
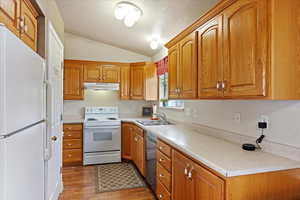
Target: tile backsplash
x=127 y=108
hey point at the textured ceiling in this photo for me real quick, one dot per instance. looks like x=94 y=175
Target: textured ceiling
x=94 y=19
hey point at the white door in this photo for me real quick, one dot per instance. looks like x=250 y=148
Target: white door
x=54 y=112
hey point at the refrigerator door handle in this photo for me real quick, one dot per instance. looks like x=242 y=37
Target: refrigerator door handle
x=22 y=129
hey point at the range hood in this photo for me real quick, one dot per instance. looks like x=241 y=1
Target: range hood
x=102 y=86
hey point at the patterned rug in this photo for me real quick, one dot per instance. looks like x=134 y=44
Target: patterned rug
x=118 y=176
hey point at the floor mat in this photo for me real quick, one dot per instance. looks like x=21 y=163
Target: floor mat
x=118 y=176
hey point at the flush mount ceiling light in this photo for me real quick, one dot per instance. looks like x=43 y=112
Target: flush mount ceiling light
x=128 y=12
x=154 y=44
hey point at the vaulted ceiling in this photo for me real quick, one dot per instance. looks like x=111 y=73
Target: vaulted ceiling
x=94 y=19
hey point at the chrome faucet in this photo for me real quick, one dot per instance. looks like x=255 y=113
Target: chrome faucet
x=162 y=116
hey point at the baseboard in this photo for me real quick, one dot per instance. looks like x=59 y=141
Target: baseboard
x=57 y=192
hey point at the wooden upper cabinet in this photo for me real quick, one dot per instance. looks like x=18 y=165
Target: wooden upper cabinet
x=110 y=73
x=210 y=59
x=187 y=70
x=20 y=17
x=92 y=72
x=125 y=82
x=98 y=72
x=245 y=49
x=29 y=27
x=137 y=81
x=10 y=14
x=173 y=62
x=73 y=81
x=183 y=69
x=151 y=82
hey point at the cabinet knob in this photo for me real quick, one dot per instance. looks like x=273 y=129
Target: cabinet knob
x=69 y=144
x=69 y=155
x=161 y=148
x=161 y=175
x=160 y=160
x=160 y=196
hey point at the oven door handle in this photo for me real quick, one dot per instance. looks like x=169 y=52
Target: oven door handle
x=102 y=127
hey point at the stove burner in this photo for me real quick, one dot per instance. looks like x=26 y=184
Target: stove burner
x=92 y=119
x=112 y=118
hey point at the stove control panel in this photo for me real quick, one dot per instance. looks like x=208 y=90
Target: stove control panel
x=101 y=110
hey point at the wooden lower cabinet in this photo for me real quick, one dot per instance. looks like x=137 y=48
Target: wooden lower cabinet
x=133 y=145
x=163 y=170
x=72 y=144
x=191 y=181
x=126 y=141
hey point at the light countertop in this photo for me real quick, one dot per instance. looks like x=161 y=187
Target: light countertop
x=222 y=156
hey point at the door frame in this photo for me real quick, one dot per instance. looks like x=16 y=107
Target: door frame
x=50 y=30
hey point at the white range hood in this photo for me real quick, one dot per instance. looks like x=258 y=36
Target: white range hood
x=102 y=86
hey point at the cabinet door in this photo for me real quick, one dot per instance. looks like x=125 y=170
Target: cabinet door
x=125 y=83
x=73 y=81
x=140 y=154
x=29 y=31
x=151 y=82
x=179 y=178
x=126 y=140
x=210 y=59
x=245 y=48
x=92 y=73
x=173 y=62
x=9 y=14
x=188 y=67
x=137 y=83
x=205 y=185
x=110 y=74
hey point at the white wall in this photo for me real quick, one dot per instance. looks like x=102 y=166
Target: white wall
x=104 y=98
x=159 y=55
x=284 y=116
x=79 y=48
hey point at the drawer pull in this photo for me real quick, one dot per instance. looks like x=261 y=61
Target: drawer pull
x=69 y=155
x=69 y=135
x=160 y=196
x=69 y=128
x=69 y=144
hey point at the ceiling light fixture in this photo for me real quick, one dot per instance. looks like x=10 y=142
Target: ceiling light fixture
x=154 y=44
x=128 y=12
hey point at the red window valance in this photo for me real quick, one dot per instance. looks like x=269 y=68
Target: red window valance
x=162 y=66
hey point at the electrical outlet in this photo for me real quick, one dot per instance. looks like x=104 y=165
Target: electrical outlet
x=264 y=118
x=237 y=118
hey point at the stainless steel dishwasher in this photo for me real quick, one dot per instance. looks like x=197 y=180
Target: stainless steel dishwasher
x=151 y=140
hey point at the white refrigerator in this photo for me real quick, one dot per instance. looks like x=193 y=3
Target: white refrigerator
x=22 y=120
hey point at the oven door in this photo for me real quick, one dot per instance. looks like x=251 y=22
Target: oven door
x=104 y=138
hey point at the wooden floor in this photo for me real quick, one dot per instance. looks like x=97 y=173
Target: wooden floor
x=80 y=184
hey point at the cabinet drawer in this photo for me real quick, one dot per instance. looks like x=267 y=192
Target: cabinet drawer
x=163 y=160
x=161 y=192
x=72 y=155
x=139 y=131
x=163 y=176
x=72 y=144
x=72 y=134
x=164 y=148
x=72 y=127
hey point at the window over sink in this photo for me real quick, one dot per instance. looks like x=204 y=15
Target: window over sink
x=163 y=94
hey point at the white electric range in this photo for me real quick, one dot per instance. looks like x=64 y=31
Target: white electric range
x=102 y=135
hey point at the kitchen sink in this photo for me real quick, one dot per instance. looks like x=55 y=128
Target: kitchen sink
x=154 y=122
